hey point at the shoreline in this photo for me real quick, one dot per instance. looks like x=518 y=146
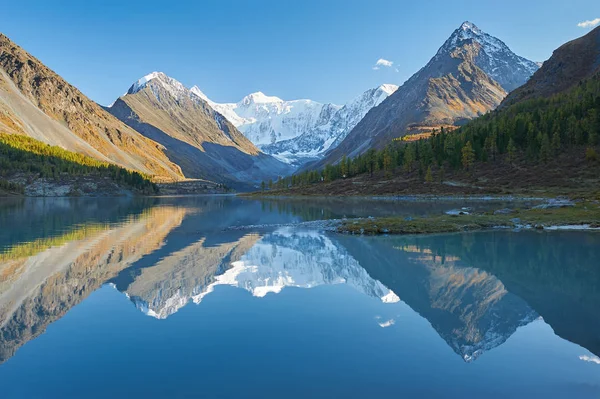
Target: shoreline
x=553 y=215
x=405 y=198
x=583 y=216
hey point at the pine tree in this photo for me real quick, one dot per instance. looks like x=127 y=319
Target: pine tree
x=429 y=175
x=545 y=148
x=371 y=161
x=490 y=146
x=555 y=143
x=450 y=150
x=468 y=156
x=512 y=151
x=344 y=166
x=409 y=158
x=388 y=164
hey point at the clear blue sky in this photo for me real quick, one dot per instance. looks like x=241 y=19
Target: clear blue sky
x=324 y=50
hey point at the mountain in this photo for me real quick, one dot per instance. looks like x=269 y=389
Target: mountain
x=36 y=102
x=570 y=64
x=196 y=137
x=494 y=57
x=300 y=130
x=543 y=138
x=469 y=75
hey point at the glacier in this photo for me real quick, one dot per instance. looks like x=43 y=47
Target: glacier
x=297 y=131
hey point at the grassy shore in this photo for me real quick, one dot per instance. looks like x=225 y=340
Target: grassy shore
x=585 y=213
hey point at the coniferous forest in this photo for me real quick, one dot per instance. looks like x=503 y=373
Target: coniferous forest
x=536 y=130
x=23 y=155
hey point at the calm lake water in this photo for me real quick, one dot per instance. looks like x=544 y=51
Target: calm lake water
x=222 y=297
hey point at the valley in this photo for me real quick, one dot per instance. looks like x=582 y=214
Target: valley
x=390 y=140
x=316 y=199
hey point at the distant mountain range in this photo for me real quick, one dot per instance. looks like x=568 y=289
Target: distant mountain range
x=299 y=130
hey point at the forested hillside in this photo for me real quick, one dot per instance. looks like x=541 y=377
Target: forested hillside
x=27 y=158
x=528 y=134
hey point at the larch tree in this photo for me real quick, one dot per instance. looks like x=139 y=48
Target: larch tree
x=468 y=156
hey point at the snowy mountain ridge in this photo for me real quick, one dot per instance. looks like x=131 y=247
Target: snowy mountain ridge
x=293 y=131
x=296 y=131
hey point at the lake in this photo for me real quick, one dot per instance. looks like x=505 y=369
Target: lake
x=225 y=297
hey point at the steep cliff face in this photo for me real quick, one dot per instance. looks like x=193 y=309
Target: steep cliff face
x=37 y=102
x=199 y=139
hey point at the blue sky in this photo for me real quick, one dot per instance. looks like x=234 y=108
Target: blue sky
x=324 y=50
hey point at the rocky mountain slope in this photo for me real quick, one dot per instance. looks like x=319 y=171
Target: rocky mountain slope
x=300 y=130
x=571 y=63
x=469 y=75
x=196 y=137
x=36 y=102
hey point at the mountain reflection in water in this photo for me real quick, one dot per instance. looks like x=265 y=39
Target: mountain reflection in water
x=475 y=290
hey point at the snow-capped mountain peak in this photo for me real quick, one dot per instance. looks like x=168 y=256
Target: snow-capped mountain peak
x=174 y=87
x=494 y=57
x=260 y=98
x=469 y=26
x=469 y=31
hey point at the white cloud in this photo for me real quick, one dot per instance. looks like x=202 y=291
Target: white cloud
x=589 y=24
x=388 y=323
x=376 y=68
x=591 y=359
x=384 y=63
